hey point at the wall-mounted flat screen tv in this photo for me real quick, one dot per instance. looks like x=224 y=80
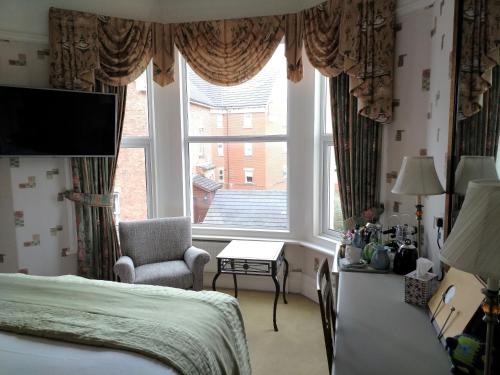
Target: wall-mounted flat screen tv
x=47 y=122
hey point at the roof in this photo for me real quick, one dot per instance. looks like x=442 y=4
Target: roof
x=248 y=208
x=254 y=93
x=206 y=183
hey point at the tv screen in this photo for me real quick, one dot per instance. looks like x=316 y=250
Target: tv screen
x=46 y=122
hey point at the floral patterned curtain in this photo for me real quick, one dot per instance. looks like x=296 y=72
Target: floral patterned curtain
x=79 y=61
x=480 y=52
x=85 y=47
x=229 y=52
x=357 y=144
x=355 y=37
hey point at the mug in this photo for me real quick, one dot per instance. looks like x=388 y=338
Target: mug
x=352 y=254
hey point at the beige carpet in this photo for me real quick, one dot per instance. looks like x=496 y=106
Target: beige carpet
x=297 y=348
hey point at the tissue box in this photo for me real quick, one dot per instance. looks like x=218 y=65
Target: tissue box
x=419 y=290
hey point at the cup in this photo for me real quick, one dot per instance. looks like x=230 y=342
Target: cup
x=352 y=254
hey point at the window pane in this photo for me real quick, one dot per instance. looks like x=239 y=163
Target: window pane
x=237 y=190
x=335 y=221
x=328 y=111
x=131 y=201
x=136 y=110
x=255 y=107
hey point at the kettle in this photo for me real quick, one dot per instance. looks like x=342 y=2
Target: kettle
x=405 y=260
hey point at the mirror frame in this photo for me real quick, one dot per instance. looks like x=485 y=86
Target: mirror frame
x=451 y=163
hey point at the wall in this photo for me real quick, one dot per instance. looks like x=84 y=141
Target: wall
x=422 y=91
x=42 y=227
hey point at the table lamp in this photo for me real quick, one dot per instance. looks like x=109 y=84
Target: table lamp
x=473 y=246
x=474 y=168
x=418 y=177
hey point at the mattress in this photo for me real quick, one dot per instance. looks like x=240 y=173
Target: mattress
x=28 y=355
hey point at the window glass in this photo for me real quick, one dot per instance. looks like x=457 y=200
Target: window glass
x=237 y=190
x=136 y=108
x=130 y=185
x=242 y=182
x=335 y=221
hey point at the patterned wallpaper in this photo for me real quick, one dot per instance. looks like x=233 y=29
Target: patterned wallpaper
x=34 y=216
x=422 y=90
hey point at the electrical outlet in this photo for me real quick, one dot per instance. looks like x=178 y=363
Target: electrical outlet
x=316 y=264
x=438 y=222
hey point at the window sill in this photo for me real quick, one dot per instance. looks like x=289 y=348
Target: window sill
x=324 y=245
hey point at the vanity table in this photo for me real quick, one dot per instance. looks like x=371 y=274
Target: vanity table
x=379 y=334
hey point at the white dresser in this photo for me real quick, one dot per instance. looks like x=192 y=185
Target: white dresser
x=379 y=334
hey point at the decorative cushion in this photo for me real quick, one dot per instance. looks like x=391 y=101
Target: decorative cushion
x=155 y=240
x=174 y=273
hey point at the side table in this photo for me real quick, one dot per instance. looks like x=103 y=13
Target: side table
x=257 y=258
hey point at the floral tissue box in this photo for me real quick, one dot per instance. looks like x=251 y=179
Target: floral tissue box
x=419 y=290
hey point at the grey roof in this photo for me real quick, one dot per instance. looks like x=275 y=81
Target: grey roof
x=206 y=183
x=254 y=93
x=248 y=209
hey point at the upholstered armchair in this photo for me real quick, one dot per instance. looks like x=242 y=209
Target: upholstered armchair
x=160 y=252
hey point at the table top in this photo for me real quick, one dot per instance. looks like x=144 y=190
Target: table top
x=252 y=250
x=378 y=333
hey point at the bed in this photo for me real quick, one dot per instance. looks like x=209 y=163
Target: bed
x=58 y=325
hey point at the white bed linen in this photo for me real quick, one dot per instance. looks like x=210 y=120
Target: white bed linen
x=20 y=354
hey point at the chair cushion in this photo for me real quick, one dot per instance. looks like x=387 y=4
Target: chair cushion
x=155 y=240
x=174 y=273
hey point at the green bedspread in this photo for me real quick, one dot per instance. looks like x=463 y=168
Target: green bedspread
x=193 y=332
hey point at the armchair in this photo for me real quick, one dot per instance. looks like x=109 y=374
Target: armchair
x=160 y=252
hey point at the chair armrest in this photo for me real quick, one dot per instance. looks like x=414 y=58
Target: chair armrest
x=196 y=259
x=124 y=268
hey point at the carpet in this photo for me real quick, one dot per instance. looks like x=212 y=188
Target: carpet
x=298 y=348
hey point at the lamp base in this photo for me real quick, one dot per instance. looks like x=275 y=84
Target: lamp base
x=491 y=311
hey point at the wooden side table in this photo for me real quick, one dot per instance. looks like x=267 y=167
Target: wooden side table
x=257 y=258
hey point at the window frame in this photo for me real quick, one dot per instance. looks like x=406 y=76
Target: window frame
x=248 y=120
x=325 y=142
x=247 y=149
x=187 y=139
x=147 y=143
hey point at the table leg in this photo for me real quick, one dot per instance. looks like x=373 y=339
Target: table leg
x=216 y=275
x=234 y=281
x=276 y=297
x=284 y=280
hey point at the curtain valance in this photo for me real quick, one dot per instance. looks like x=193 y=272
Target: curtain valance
x=480 y=52
x=351 y=36
x=229 y=52
x=85 y=47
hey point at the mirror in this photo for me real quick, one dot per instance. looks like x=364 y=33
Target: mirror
x=475 y=121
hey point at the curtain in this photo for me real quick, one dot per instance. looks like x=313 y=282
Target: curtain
x=478 y=134
x=98 y=247
x=79 y=58
x=480 y=52
x=357 y=144
x=85 y=47
x=229 y=52
x=351 y=36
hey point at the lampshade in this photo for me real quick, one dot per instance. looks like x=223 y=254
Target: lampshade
x=474 y=243
x=418 y=177
x=474 y=168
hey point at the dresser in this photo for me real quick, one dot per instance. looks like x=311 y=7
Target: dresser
x=379 y=334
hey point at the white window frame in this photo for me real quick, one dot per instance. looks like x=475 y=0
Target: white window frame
x=248 y=172
x=148 y=144
x=325 y=142
x=219 y=120
x=188 y=204
x=221 y=174
x=220 y=149
x=247 y=120
x=248 y=149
